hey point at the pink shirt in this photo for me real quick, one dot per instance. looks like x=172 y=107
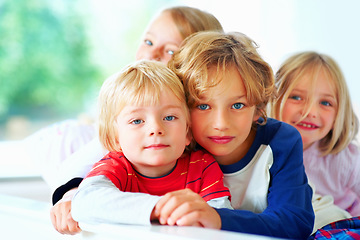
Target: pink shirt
x=337 y=175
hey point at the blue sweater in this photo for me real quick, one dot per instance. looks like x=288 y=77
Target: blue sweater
x=269 y=186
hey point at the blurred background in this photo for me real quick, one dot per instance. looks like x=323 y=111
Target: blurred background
x=55 y=54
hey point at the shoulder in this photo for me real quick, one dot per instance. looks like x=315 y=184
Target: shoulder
x=348 y=156
x=277 y=129
x=275 y=132
x=285 y=143
x=352 y=150
x=112 y=162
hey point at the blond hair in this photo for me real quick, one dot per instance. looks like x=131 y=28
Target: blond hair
x=310 y=64
x=204 y=50
x=139 y=83
x=190 y=20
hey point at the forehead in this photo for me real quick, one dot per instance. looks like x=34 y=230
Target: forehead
x=164 y=28
x=225 y=82
x=319 y=81
x=163 y=97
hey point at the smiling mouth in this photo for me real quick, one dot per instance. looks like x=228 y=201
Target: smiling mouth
x=221 y=140
x=307 y=125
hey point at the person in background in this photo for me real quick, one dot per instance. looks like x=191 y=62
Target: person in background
x=145 y=124
x=161 y=39
x=313 y=97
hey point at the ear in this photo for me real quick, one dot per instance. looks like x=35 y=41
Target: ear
x=257 y=115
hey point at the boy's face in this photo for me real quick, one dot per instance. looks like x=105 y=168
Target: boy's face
x=154 y=137
x=222 y=121
x=320 y=120
x=161 y=40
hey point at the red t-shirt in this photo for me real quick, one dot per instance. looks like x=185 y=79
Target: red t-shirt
x=197 y=171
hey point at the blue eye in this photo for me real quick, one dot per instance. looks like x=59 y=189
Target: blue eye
x=137 y=121
x=170 y=52
x=203 y=106
x=325 y=103
x=169 y=118
x=148 y=42
x=237 y=106
x=295 y=97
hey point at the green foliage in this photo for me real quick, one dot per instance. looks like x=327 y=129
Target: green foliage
x=44 y=58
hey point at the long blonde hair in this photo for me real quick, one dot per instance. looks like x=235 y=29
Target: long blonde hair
x=310 y=64
x=139 y=83
x=203 y=50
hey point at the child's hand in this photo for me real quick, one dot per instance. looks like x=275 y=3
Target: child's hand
x=186 y=208
x=61 y=218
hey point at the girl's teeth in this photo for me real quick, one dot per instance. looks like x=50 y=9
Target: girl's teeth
x=306 y=125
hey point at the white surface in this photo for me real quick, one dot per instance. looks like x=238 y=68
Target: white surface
x=159 y=232
x=22 y=218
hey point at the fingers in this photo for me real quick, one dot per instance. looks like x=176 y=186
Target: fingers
x=71 y=225
x=176 y=204
x=190 y=219
x=62 y=220
x=184 y=209
x=205 y=217
x=53 y=217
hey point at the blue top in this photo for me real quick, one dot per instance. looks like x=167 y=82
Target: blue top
x=269 y=187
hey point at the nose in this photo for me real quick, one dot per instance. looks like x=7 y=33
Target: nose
x=156 y=128
x=153 y=53
x=313 y=110
x=220 y=120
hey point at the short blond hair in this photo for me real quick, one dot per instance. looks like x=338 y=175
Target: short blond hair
x=204 y=50
x=189 y=20
x=139 y=83
x=310 y=64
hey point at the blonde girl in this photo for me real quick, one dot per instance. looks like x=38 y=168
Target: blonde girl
x=313 y=97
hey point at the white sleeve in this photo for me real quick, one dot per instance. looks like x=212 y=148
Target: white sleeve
x=98 y=200
x=80 y=163
x=222 y=202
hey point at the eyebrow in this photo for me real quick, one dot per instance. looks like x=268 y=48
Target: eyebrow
x=241 y=96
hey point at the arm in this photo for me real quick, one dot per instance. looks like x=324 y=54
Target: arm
x=351 y=166
x=99 y=200
x=104 y=186
x=75 y=168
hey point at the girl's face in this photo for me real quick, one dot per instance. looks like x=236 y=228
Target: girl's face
x=161 y=40
x=222 y=120
x=320 y=120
